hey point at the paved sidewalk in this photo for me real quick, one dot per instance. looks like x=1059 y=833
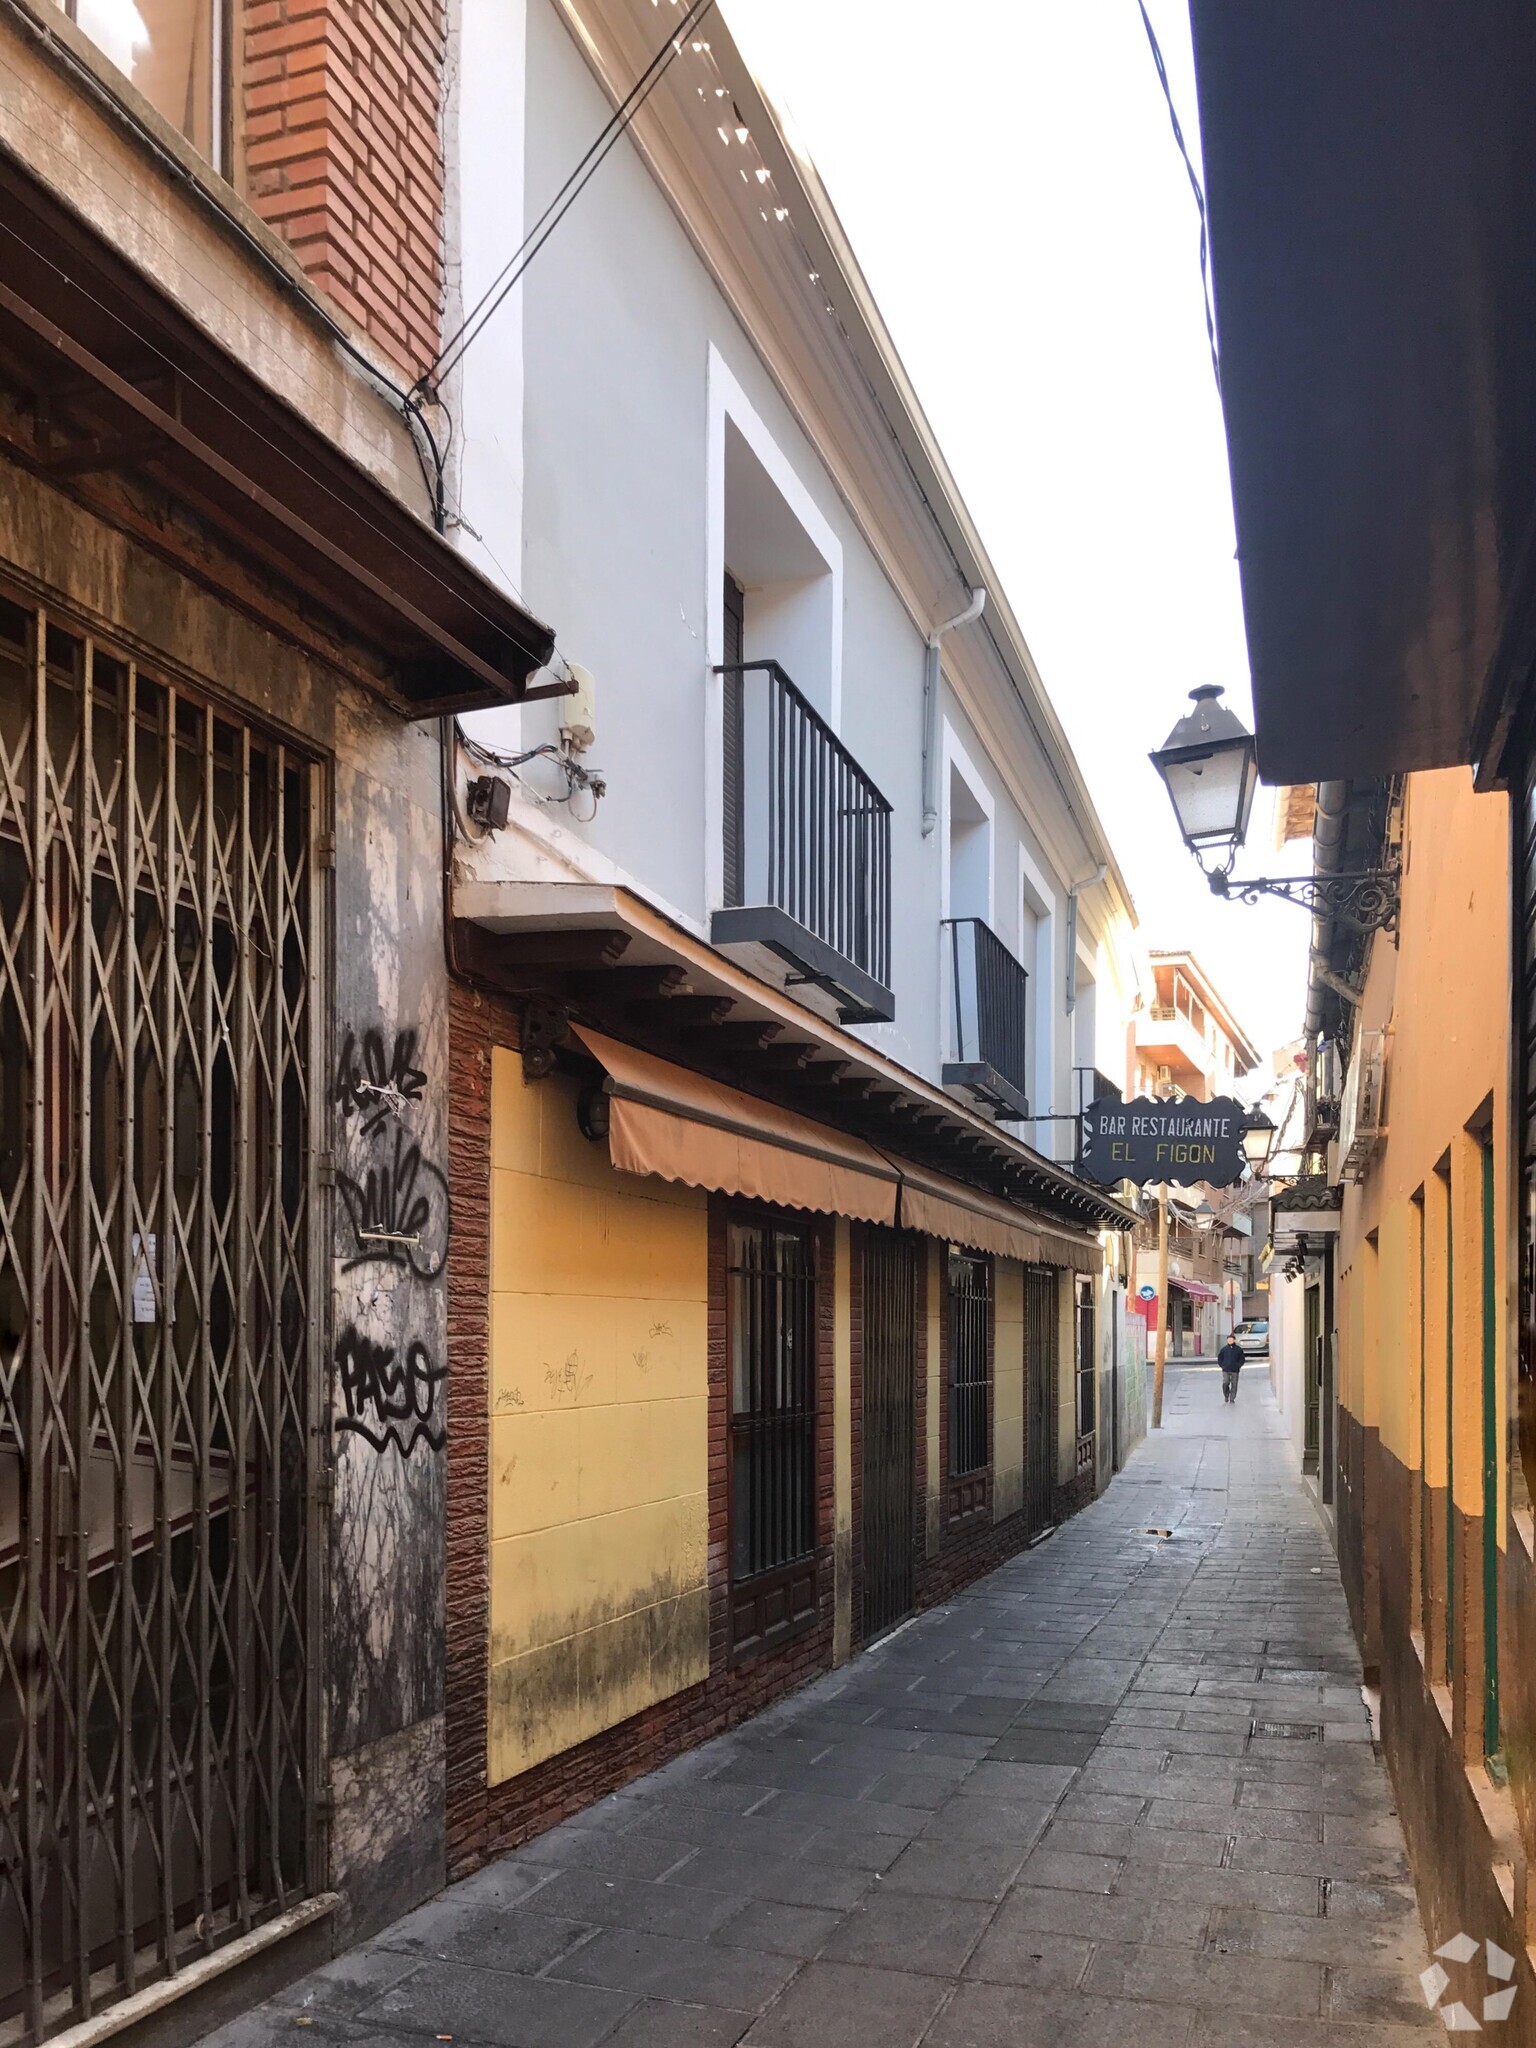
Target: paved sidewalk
x=1121 y=1792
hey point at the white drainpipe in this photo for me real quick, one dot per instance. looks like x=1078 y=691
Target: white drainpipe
x=931 y=707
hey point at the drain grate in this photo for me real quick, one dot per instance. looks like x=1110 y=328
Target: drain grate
x=1288 y=1731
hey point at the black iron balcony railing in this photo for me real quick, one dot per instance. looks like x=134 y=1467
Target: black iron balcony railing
x=807 y=845
x=988 y=992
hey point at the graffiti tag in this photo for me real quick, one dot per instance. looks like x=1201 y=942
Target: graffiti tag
x=398 y=1212
x=374 y=1084
x=389 y=1403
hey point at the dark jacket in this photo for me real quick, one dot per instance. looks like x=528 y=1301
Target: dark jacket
x=1230 y=1356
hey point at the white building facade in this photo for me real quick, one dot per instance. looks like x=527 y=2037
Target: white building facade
x=791 y=947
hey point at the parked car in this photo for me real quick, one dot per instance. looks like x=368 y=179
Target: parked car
x=1252 y=1338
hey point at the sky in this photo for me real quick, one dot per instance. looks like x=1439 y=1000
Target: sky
x=1008 y=177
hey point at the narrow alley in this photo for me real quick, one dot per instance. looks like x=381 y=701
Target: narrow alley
x=1122 y=1790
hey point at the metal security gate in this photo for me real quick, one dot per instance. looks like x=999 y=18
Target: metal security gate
x=1087 y=1368
x=158 y=1021
x=891 y=1310
x=1042 y=1337
x=970 y=1383
x=771 y=1275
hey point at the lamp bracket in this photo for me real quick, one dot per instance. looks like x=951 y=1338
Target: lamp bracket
x=1365 y=899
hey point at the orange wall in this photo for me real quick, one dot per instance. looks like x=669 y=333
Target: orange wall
x=1444 y=994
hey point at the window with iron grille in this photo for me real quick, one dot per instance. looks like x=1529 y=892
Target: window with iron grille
x=970 y=1393
x=1087 y=1361
x=771 y=1278
x=158 y=1046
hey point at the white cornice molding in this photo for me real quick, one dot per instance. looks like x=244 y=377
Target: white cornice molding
x=839 y=374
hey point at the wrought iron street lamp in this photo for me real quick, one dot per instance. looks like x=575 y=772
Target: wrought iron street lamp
x=1210 y=767
x=1259 y=1135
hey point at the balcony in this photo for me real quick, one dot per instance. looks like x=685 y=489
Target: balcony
x=987 y=998
x=1169 y=1037
x=807 y=847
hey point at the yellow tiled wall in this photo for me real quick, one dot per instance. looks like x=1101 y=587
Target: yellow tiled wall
x=599 y=1481
x=1008 y=1391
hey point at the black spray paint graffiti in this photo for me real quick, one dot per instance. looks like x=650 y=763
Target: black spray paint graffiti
x=389 y=1403
x=398 y=1211
x=373 y=1084
x=393 y=1211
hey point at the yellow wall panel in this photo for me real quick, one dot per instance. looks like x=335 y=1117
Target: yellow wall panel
x=533 y=1472
x=515 y=1114
x=656 y=1347
x=550 y=1351
x=1008 y=1390
x=599 y=1478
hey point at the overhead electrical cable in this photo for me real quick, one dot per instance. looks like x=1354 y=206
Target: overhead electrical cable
x=1194 y=186
x=473 y=324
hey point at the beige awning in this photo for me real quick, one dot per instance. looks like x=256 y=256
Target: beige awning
x=940 y=1207
x=662 y=1119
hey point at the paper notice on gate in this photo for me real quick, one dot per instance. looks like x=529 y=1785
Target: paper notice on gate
x=146 y=1302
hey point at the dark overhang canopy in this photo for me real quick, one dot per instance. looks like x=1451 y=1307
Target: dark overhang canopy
x=676 y=1011
x=1371 y=176
x=114 y=376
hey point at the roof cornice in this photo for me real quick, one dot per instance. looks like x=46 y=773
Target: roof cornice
x=800 y=296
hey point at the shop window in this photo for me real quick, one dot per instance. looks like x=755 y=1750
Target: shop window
x=176 y=52
x=970 y=1376
x=771 y=1278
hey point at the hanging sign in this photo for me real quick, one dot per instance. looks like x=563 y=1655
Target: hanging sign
x=1184 y=1141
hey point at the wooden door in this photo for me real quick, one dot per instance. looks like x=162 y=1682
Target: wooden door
x=892 y=1304
x=1041 y=1347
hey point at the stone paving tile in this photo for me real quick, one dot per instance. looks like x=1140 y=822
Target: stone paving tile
x=1039 y=1815
x=1005 y=2016
x=844 y=2005
x=1243 y=1930
x=894 y=1931
x=485 y=2005
x=655 y=2024
x=779 y=1930
x=351 y=1982
x=691 y=1972
x=587 y=1896
x=955 y=1870
x=1265 y=2030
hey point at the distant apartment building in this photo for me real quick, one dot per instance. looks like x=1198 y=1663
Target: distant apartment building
x=1188 y=1042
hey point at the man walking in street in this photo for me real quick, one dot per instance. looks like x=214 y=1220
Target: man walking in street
x=1230 y=1359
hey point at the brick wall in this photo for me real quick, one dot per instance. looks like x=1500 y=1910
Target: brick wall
x=342 y=151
